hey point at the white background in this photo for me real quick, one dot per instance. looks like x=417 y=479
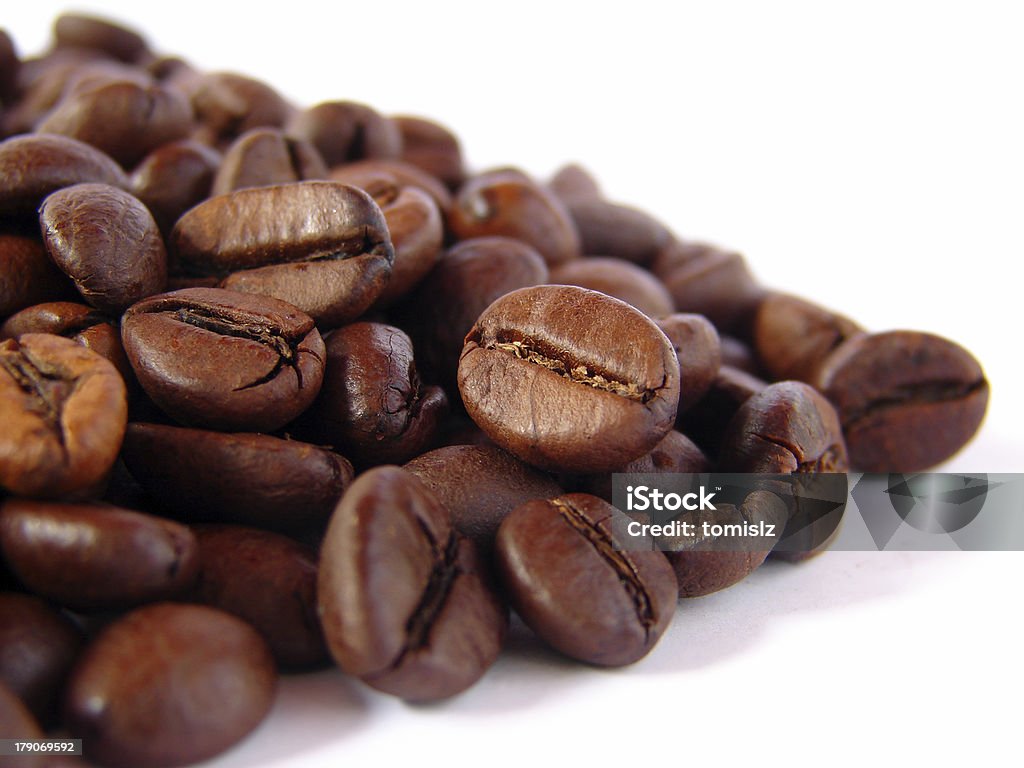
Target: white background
x=869 y=155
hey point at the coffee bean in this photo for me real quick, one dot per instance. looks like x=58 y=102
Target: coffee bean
x=10 y=67
x=173 y=178
x=508 y=203
x=169 y=685
x=265 y=156
x=707 y=420
x=27 y=275
x=38 y=645
x=106 y=241
x=372 y=406
x=574 y=182
x=545 y=374
x=618 y=278
x=344 y=131
x=16 y=722
x=92 y=557
x=226 y=105
x=698 y=350
x=441 y=626
x=64 y=411
x=431 y=147
x=321 y=246
x=570 y=576
x=906 y=400
x=225 y=360
x=365 y=174
x=267 y=580
x=737 y=354
x=479 y=485
x=610 y=229
x=248 y=479
x=76 y=30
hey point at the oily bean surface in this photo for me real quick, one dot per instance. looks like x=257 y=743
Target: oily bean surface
x=432 y=148
x=619 y=278
x=266 y=156
x=610 y=229
x=173 y=178
x=27 y=275
x=698 y=350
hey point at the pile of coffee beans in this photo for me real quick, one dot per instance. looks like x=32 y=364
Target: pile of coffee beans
x=282 y=386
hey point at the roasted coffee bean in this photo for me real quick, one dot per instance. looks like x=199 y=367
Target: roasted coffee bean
x=469 y=276
x=793 y=336
x=676 y=453
x=698 y=350
x=38 y=645
x=321 y=246
x=573 y=579
x=707 y=420
x=265 y=156
x=106 y=241
x=709 y=281
x=123 y=119
x=225 y=360
x=545 y=374
x=269 y=581
x=344 y=131
x=441 y=626
x=618 y=278
x=93 y=557
x=373 y=175
x=479 y=485
x=169 y=685
x=28 y=275
x=737 y=354
x=249 y=479
x=173 y=178
x=573 y=182
x=508 y=203
x=10 y=67
x=76 y=30
x=906 y=400
x=431 y=147
x=16 y=722
x=64 y=411
x=226 y=105
x=31 y=167
x=372 y=406
x=705 y=564
x=610 y=229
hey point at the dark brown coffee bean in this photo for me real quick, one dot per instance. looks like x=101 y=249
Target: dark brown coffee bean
x=249 y=479
x=574 y=182
x=16 y=722
x=574 y=581
x=225 y=360
x=344 y=131
x=173 y=178
x=441 y=626
x=38 y=645
x=123 y=119
x=700 y=569
x=265 y=156
x=321 y=246
x=372 y=406
x=431 y=147
x=793 y=336
x=617 y=278
x=469 y=276
x=64 y=412
x=227 y=105
x=737 y=354
x=106 y=241
x=697 y=348
x=269 y=581
x=508 y=203
x=545 y=374
x=28 y=275
x=92 y=557
x=77 y=30
x=706 y=422
x=610 y=229
x=380 y=173
x=169 y=685
x=906 y=400
x=31 y=167
x=479 y=486
x=10 y=66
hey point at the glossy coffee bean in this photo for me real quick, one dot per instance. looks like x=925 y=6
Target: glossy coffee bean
x=28 y=275
x=248 y=479
x=610 y=229
x=225 y=360
x=698 y=350
x=322 y=246
x=372 y=406
x=707 y=420
x=226 y=105
x=469 y=276
x=268 y=581
x=38 y=645
x=738 y=354
x=479 y=485
x=618 y=278
x=169 y=685
x=372 y=174
x=106 y=241
x=173 y=178
x=906 y=400
x=344 y=131
x=573 y=579
x=31 y=167
x=64 y=411
x=545 y=374
x=431 y=147
x=508 y=203
x=93 y=557
x=77 y=30
x=442 y=625
x=265 y=156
